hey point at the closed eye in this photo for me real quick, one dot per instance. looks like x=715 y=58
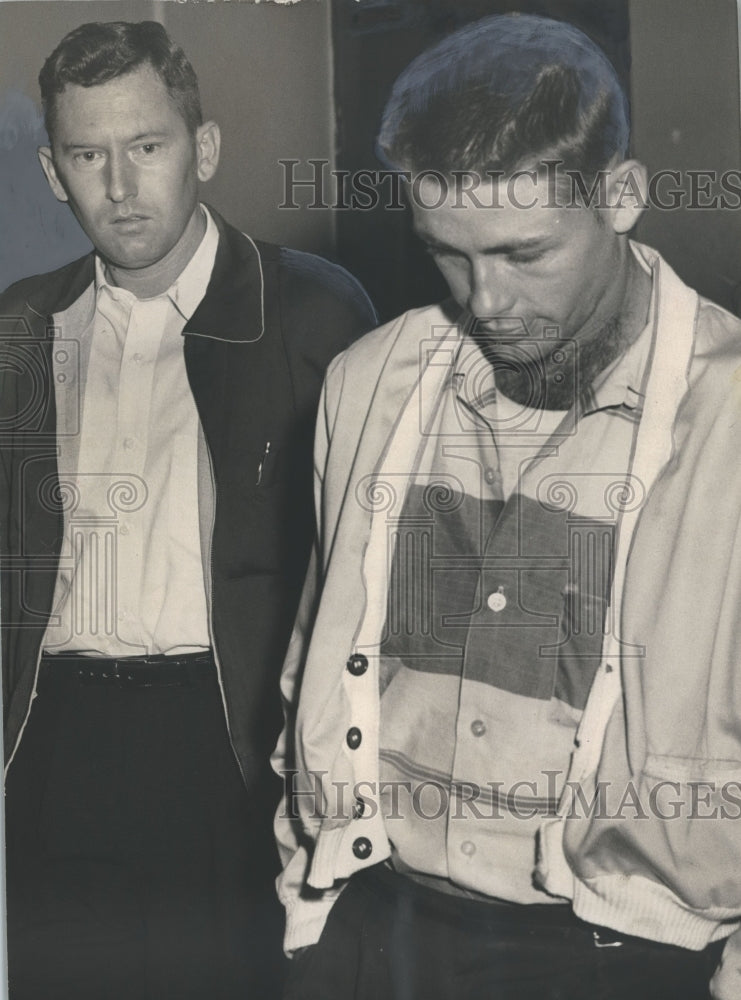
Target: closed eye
x=525 y=256
x=437 y=251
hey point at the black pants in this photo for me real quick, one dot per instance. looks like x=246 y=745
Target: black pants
x=388 y=938
x=138 y=865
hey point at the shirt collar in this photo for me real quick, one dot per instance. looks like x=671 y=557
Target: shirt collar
x=189 y=287
x=623 y=382
x=232 y=310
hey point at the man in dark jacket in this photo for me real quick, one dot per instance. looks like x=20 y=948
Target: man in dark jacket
x=157 y=401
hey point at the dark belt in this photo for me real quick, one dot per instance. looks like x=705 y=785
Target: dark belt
x=157 y=671
x=457 y=909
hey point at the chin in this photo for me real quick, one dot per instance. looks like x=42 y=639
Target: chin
x=131 y=261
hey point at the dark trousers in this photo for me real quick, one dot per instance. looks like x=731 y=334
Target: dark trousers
x=388 y=938
x=139 y=867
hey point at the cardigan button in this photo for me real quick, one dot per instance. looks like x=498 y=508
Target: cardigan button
x=357 y=664
x=354 y=737
x=362 y=848
x=497 y=601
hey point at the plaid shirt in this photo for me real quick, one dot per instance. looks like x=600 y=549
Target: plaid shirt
x=499 y=580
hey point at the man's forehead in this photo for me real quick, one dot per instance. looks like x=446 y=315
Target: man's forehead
x=139 y=96
x=522 y=189
x=520 y=210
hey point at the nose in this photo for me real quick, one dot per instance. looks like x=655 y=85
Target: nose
x=491 y=294
x=121 y=180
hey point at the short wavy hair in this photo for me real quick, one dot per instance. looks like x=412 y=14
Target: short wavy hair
x=506 y=93
x=101 y=51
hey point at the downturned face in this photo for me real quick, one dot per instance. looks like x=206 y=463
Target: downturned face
x=520 y=265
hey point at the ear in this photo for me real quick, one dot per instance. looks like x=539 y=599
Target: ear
x=47 y=165
x=208 y=144
x=627 y=194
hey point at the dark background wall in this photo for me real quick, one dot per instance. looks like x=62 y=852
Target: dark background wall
x=685 y=95
x=308 y=80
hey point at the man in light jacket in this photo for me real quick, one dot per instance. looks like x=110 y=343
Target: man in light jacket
x=512 y=750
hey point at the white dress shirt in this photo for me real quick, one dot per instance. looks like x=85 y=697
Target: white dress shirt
x=130 y=580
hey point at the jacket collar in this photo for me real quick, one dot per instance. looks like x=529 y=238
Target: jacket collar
x=57 y=291
x=231 y=310
x=233 y=307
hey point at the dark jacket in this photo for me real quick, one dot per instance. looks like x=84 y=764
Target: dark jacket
x=255 y=350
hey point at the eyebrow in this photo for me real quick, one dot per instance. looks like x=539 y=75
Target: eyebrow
x=69 y=147
x=514 y=246
x=149 y=137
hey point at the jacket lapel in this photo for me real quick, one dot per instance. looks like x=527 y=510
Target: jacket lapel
x=378 y=396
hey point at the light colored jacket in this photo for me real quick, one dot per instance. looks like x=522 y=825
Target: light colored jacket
x=671 y=665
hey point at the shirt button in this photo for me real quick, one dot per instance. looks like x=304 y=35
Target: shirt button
x=478 y=727
x=468 y=848
x=137 y=357
x=362 y=848
x=357 y=664
x=490 y=475
x=497 y=601
x=354 y=737
x=129 y=443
